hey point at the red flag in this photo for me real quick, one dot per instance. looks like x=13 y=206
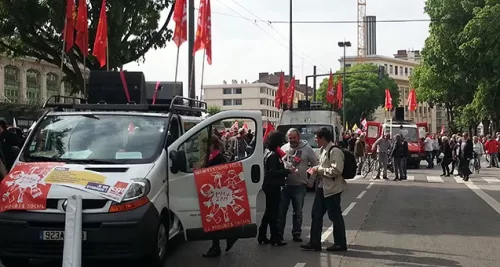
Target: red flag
x=101 y=38
x=412 y=100
x=388 y=100
x=442 y=129
x=330 y=92
x=82 y=28
x=290 y=93
x=339 y=93
x=180 y=19
x=269 y=129
x=278 y=97
x=69 y=26
x=204 y=31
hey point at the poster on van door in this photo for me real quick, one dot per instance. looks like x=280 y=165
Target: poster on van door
x=222 y=196
x=88 y=181
x=24 y=189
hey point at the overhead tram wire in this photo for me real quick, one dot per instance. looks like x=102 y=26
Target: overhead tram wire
x=304 y=55
x=254 y=22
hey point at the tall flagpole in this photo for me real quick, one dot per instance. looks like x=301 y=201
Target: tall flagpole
x=176 y=69
x=83 y=76
x=64 y=44
x=107 y=54
x=202 y=73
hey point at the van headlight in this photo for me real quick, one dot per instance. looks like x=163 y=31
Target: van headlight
x=139 y=188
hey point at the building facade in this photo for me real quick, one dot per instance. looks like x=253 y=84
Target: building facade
x=370 y=35
x=246 y=96
x=400 y=68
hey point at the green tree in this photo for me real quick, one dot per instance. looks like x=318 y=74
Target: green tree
x=444 y=77
x=214 y=109
x=364 y=91
x=34 y=29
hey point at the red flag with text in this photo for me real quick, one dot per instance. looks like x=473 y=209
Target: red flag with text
x=180 y=19
x=101 y=37
x=278 y=97
x=330 y=92
x=290 y=93
x=339 y=93
x=69 y=25
x=82 y=28
x=204 y=30
x=412 y=100
x=388 y=100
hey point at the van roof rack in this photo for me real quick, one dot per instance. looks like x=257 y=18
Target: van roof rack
x=179 y=104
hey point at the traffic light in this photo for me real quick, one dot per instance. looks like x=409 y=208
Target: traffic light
x=381 y=71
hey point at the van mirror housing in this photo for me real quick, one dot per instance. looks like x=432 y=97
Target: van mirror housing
x=178 y=161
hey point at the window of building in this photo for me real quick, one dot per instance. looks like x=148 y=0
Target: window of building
x=226 y=91
x=263 y=101
x=263 y=90
x=390 y=69
x=411 y=70
x=385 y=68
x=396 y=70
x=406 y=71
x=401 y=71
x=232 y=91
x=237 y=91
x=231 y=102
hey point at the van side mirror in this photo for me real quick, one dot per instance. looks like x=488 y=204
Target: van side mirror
x=179 y=162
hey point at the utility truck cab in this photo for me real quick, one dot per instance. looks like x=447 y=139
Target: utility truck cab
x=308 y=118
x=141 y=172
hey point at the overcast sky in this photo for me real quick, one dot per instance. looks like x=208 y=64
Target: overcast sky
x=244 y=45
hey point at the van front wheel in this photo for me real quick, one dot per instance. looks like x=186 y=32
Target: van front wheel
x=14 y=262
x=157 y=258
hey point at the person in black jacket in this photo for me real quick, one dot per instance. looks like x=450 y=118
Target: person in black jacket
x=274 y=177
x=9 y=142
x=216 y=157
x=465 y=154
x=447 y=156
x=398 y=154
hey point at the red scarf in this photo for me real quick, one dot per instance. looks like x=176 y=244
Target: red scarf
x=280 y=152
x=213 y=154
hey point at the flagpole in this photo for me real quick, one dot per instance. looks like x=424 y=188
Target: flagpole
x=64 y=43
x=84 y=72
x=107 y=54
x=176 y=69
x=202 y=72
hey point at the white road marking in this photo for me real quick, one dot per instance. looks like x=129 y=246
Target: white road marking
x=370 y=185
x=349 y=208
x=361 y=194
x=329 y=231
x=410 y=178
x=491 y=180
x=459 y=180
x=435 y=179
x=300 y=264
x=487 y=198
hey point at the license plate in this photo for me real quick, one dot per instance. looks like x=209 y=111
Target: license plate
x=57 y=235
x=414 y=156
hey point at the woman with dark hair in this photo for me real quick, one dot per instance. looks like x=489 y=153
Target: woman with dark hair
x=274 y=177
x=216 y=158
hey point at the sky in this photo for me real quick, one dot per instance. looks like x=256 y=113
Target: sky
x=244 y=43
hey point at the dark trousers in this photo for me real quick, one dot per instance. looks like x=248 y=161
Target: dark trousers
x=331 y=205
x=273 y=195
x=429 y=158
x=296 y=195
x=398 y=168
x=445 y=165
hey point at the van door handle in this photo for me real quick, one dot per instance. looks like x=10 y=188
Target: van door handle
x=255 y=173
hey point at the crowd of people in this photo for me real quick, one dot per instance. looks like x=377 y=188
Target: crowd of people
x=290 y=168
x=456 y=150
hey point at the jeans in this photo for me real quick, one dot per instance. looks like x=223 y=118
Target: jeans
x=330 y=204
x=295 y=194
x=429 y=158
x=271 y=214
x=404 y=161
x=360 y=161
x=398 y=168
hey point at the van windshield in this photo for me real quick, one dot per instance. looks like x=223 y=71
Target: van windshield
x=99 y=139
x=307 y=132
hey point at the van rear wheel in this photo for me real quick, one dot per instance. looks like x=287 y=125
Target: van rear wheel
x=14 y=262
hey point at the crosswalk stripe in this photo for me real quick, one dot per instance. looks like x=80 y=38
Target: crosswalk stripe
x=491 y=180
x=410 y=178
x=459 y=180
x=434 y=179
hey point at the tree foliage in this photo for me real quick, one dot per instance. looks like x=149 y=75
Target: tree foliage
x=461 y=61
x=364 y=91
x=213 y=109
x=33 y=28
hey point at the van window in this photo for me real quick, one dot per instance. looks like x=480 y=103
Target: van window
x=173 y=132
x=97 y=138
x=234 y=145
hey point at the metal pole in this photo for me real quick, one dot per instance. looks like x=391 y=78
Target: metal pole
x=307 y=89
x=314 y=83
x=72 y=251
x=191 y=67
x=291 y=43
x=343 y=92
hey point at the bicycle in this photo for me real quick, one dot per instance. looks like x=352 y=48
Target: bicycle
x=474 y=165
x=369 y=163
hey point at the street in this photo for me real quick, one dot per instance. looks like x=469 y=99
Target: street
x=425 y=221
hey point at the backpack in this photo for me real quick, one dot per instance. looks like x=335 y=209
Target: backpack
x=350 y=164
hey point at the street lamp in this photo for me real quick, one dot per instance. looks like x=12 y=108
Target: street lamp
x=344 y=44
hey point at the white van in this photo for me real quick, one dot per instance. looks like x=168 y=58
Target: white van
x=162 y=200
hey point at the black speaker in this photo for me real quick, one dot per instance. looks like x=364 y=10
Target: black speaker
x=166 y=92
x=304 y=104
x=399 y=114
x=107 y=86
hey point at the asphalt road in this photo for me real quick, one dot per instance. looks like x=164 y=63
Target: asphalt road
x=425 y=221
